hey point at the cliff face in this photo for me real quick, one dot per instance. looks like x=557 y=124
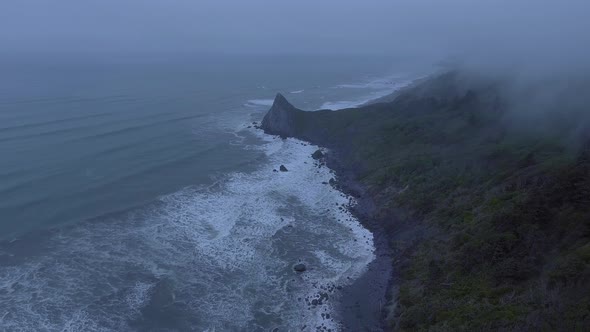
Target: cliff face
x=280 y=119
x=286 y=120
x=504 y=209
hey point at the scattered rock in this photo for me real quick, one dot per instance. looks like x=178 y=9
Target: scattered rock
x=300 y=267
x=283 y=168
x=318 y=154
x=274 y=170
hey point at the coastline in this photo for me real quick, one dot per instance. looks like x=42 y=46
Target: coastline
x=471 y=207
x=362 y=304
x=369 y=302
x=352 y=296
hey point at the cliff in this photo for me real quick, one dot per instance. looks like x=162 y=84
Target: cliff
x=281 y=118
x=486 y=207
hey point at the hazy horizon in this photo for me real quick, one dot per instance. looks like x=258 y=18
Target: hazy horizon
x=551 y=33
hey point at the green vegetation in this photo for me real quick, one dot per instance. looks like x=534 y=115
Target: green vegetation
x=504 y=211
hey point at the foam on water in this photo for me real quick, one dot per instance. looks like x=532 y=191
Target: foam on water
x=381 y=87
x=211 y=258
x=259 y=102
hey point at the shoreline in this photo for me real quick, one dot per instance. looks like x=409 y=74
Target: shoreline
x=362 y=304
x=470 y=214
x=368 y=302
x=354 y=295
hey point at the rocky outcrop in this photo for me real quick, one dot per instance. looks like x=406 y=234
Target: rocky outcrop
x=317 y=155
x=300 y=267
x=281 y=118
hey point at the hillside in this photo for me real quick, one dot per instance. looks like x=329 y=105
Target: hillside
x=486 y=206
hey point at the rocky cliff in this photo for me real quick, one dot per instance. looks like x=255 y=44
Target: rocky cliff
x=280 y=119
x=487 y=211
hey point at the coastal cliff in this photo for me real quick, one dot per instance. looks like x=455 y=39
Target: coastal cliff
x=281 y=117
x=484 y=212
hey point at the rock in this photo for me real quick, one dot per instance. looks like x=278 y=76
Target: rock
x=283 y=168
x=281 y=118
x=318 y=154
x=300 y=267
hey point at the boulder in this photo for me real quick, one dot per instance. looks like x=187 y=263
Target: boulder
x=317 y=155
x=300 y=267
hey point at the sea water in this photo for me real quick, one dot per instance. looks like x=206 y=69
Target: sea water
x=136 y=194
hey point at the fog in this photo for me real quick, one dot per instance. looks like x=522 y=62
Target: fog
x=502 y=31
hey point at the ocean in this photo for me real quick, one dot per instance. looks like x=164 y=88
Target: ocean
x=137 y=195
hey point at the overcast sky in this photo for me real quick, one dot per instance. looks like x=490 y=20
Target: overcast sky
x=556 y=29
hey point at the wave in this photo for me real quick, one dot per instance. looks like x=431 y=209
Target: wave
x=259 y=102
x=375 y=83
x=384 y=88
x=131 y=126
x=54 y=121
x=217 y=257
x=297 y=91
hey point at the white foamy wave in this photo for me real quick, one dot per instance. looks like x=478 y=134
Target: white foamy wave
x=338 y=105
x=218 y=257
x=259 y=102
x=297 y=91
x=385 y=89
x=376 y=83
x=139 y=295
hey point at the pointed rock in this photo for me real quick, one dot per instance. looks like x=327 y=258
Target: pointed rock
x=280 y=119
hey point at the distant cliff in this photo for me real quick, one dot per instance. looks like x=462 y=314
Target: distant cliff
x=488 y=211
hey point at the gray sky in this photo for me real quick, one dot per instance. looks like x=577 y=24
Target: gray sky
x=557 y=31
